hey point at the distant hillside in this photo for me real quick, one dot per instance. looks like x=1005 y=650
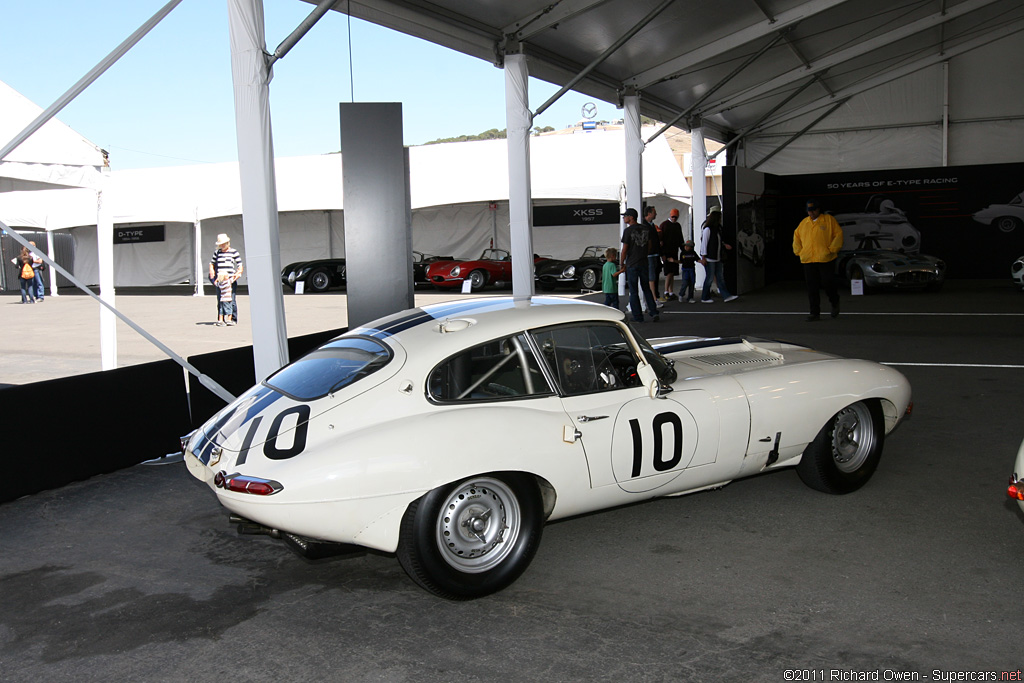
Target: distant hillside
x=492 y=134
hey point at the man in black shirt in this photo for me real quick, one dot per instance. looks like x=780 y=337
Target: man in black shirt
x=636 y=245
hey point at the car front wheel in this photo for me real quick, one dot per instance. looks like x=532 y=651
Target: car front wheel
x=477 y=280
x=472 y=538
x=589 y=279
x=319 y=281
x=846 y=451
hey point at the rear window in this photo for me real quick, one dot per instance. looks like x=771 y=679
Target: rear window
x=331 y=367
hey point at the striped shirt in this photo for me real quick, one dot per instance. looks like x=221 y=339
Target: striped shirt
x=226 y=261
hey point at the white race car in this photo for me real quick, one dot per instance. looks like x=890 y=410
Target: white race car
x=449 y=434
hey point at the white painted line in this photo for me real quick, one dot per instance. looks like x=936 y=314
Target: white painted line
x=956 y=365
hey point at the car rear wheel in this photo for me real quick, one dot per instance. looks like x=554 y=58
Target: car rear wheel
x=472 y=538
x=846 y=451
x=319 y=281
x=477 y=280
x=589 y=279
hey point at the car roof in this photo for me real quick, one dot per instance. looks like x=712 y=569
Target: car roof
x=477 y=320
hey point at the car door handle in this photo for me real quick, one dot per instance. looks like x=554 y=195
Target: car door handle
x=588 y=418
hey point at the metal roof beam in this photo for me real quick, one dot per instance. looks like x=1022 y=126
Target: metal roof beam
x=718 y=47
x=552 y=15
x=838 y=58
x=899 y=72
x=794 y=137
x=604 y=55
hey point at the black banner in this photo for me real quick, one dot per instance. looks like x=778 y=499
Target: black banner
x=145 y=233
x=576 y=214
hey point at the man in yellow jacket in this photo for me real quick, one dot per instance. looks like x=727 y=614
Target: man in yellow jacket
x=817 y=241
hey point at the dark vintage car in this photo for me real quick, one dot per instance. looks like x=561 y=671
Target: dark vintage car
x=323 y=274
x=582 y=273
x=420 y=261
x=318 y=275
x=494 y=267
x=888 y=269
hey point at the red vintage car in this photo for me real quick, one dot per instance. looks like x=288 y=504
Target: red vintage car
x=494 y=267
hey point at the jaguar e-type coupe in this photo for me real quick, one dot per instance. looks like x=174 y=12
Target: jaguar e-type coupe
x=494 y=267
x=449 y=434
x=581 y=273
x=318 y=275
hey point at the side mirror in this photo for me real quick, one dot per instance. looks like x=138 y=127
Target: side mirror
x=658 y=390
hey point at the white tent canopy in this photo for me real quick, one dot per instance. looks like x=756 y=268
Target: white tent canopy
x=53 y=157
x=459 y=199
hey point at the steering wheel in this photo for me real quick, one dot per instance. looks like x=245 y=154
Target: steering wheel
x=616 y=369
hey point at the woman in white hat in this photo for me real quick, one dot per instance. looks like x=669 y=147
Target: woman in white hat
x=229 y=262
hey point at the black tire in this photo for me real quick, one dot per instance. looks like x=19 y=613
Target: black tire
x=437 y=551
x=1007 y=223
x=319 y=280
x=846 y=451
x=477 y=280
x=589 y=278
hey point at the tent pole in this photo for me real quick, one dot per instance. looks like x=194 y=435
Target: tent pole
x=251 y=79
x=197 y=251
x=634 y=164
x=519 y=121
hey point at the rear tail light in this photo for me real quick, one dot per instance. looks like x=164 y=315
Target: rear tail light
x=240 y=483
x=1016 y=488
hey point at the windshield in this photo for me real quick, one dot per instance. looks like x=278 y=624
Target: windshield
x=334 y=365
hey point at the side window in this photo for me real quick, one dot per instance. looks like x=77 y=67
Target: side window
x=505 y=368
x=589 y=359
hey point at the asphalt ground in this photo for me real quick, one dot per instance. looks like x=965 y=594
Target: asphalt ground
x=137 y=575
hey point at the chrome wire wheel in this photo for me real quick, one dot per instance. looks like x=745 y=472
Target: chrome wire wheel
x=853 y=437
x=477 y=280
x=589 y=279
x=320 y=281
x=478 y=525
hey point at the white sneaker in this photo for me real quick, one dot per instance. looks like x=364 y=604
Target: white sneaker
x=707 y=301
x=731 y=298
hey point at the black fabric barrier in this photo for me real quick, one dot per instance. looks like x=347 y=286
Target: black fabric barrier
x=235 y=370
x=73 y=428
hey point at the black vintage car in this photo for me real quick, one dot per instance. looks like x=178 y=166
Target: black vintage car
x=581 y=273
x=318 y=275
x=323 y=274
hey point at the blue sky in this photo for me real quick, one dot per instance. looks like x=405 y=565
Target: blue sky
x=169 y=100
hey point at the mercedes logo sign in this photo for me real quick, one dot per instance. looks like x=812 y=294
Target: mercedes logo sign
x=589 y=110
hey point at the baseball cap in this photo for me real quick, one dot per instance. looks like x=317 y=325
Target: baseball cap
x=631 y=212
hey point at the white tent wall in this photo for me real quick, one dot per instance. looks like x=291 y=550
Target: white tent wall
x=137 y=265
x=986 y=121
x=309 y=235
x=460 y=230
x=453 y=187
x=154 y=263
